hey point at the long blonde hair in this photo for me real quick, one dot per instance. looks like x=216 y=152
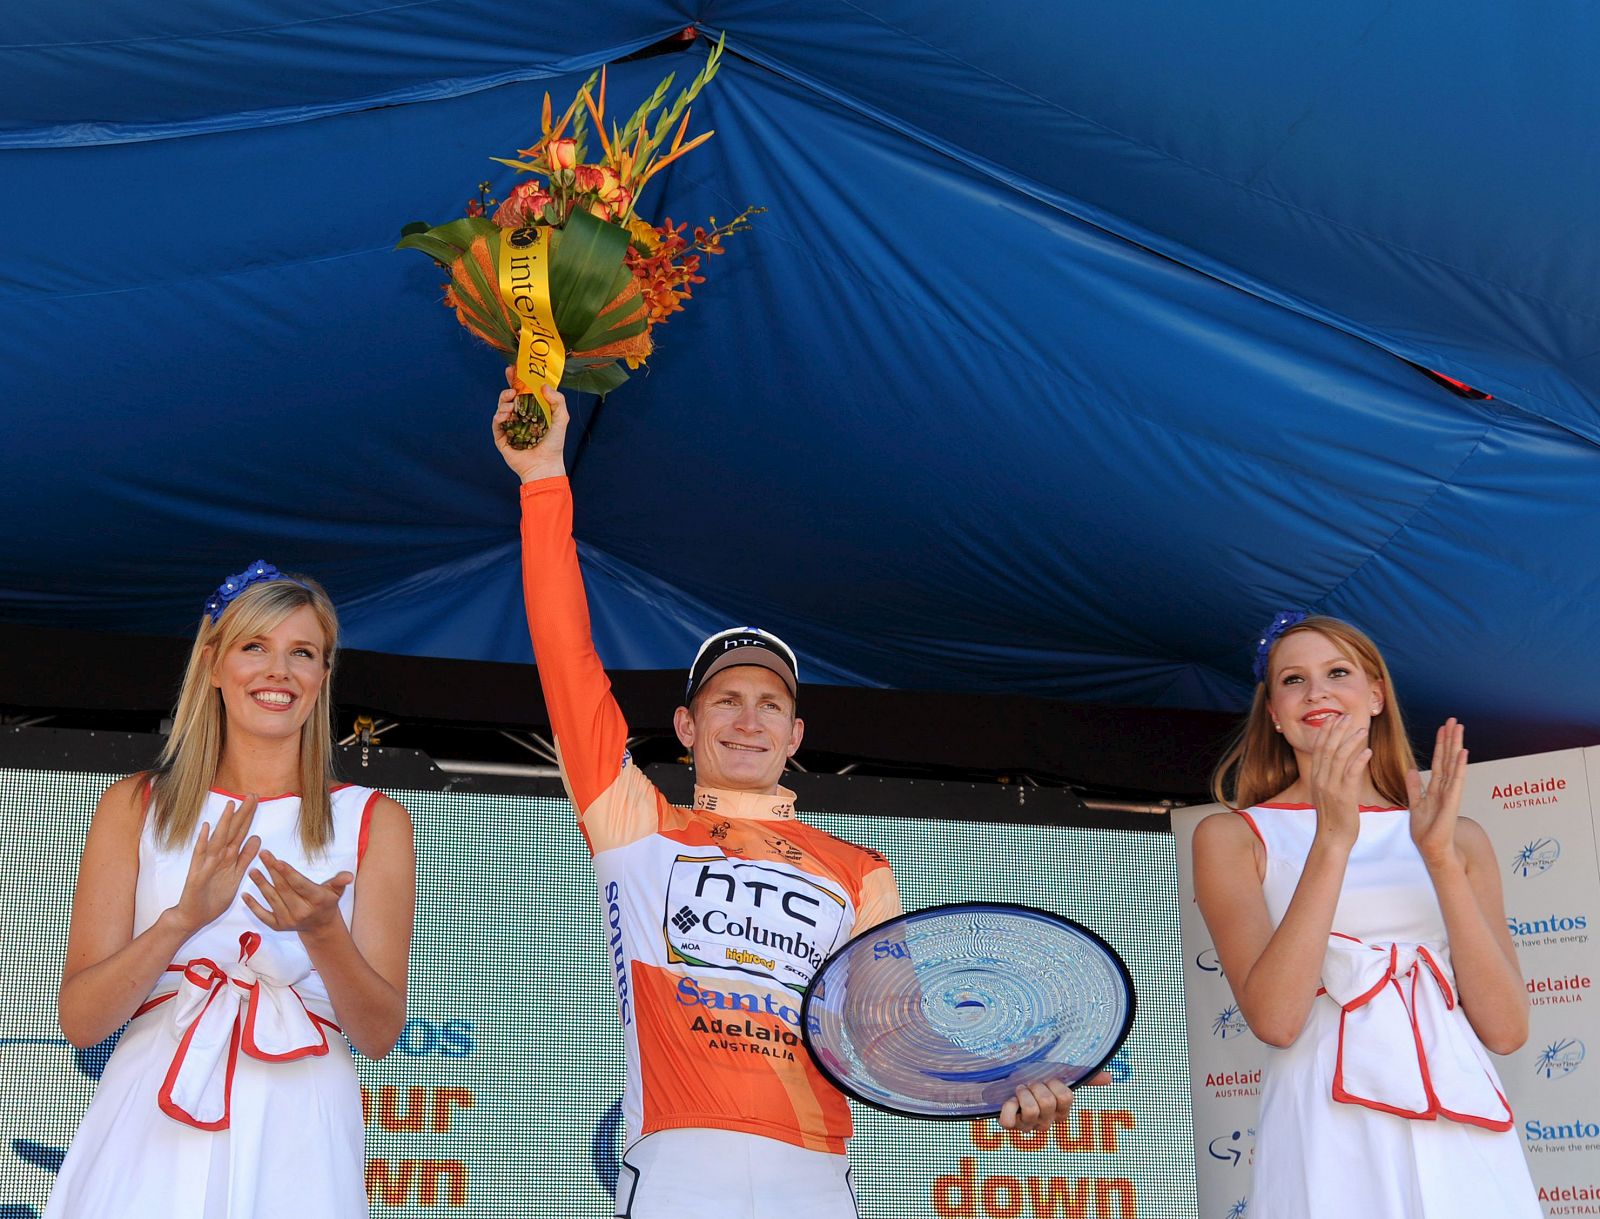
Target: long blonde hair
x=188 y=766
x=1260 y=763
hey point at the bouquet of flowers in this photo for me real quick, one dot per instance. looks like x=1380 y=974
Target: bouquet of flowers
x=563 y=276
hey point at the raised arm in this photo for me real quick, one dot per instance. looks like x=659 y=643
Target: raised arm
x=591 y=734
x=1466 y=879
x=1275 y=972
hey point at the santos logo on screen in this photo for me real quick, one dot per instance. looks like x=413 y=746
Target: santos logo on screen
x=1568 y=1130
x=1536 y=858
x=423 y=1038
x=1238 y=1210
x=1559 y=1059
x=760 y=918
x=1549 y=927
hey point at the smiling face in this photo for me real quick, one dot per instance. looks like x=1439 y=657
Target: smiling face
x=1313 y=683
x=270 y=682
x=741 y=730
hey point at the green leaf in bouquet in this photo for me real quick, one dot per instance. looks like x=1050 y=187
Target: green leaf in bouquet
x=444 y=243
x=585 y=262
x=531 y=167
x=600 y=380
x=608 y=326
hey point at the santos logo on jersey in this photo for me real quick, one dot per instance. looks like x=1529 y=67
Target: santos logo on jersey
x=760 y=918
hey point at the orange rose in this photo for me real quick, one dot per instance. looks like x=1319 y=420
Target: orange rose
x=562 y=154
x=610 y=185
x=524 y=205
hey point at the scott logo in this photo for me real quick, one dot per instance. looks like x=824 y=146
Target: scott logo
x=1559 y=1059
x=1537 y=858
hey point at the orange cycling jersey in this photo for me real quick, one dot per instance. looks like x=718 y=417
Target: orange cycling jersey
x=717 y=915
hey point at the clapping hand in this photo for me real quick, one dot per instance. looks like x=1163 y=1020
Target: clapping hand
x=295 y=902
x=1436 y=810
x=1338 y=776
x=217 y=865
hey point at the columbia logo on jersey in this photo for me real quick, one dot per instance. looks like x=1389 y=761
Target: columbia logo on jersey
x=769 y=910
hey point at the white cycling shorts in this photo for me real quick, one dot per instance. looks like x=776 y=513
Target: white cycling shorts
x=689 y=1174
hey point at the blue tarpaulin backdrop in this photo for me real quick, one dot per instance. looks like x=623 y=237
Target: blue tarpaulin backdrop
x=1077 y=338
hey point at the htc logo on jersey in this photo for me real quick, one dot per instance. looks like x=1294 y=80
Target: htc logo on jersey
x=794 y=903
x=765 y=918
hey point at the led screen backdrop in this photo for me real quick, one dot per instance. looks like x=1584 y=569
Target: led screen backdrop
x=502 y=1096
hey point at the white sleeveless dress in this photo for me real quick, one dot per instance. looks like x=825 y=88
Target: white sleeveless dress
x=1386 y=1106
x=231 y=1095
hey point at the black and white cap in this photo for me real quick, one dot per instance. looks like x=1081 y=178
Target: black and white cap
x=742 y=645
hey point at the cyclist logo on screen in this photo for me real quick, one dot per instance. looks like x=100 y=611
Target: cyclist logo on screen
x=1231 y=1148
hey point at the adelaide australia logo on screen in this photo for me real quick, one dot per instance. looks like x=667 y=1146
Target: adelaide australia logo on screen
x=761 y=918
x=1536 y=858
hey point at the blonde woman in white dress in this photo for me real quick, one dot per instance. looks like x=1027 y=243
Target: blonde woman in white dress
x=1359 y=920
x=244 y=916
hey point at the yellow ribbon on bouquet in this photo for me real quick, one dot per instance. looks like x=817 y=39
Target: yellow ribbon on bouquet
x=524 y=274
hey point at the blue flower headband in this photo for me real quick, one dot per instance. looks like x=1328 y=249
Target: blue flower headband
x=258 y=572
x=1281 y=622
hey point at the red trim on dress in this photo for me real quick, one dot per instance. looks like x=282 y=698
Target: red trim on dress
x=366 y=827
x=205 y=973
x=1364 y=808
x=1436 y=1108
x=1251 y=822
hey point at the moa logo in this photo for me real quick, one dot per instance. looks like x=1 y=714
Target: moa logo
x=1559 y=1059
